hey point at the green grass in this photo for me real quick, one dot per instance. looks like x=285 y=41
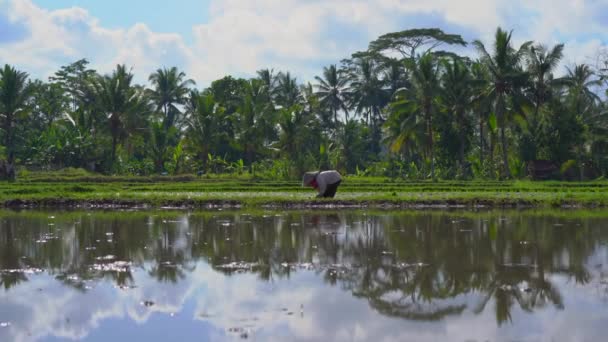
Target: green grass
x=65 y=188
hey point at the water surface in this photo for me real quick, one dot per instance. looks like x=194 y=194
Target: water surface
x=303 y=276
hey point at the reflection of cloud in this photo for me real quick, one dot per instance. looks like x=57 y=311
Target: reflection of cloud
x=302 y=307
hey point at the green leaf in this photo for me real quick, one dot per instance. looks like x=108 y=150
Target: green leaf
x=493 y=122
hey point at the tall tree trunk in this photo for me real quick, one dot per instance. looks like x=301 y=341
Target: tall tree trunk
x=481 y=150
x=8 y=137
x=491 y=150
x=114 y=143
x=505 y=155
x=500 y=113
x=461 y=149
x=430 y=138
x=581 y=172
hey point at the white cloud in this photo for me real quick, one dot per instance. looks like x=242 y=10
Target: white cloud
x=242 y=36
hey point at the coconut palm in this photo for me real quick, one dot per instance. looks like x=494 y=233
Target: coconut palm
x=287 y=90
x=457 y=97
x=542 y=85
x=507 y=78
x=170 y=90
x=255 y=116
x=269 y=80
x=395 y=77
x=205 y=125
x=15 y=92
x=482 y=106
x=424 y=93
x=122 y=103
x=368 y=95
x=332 y=91
x=405 y=131
x=583 y=101
x=541 y=62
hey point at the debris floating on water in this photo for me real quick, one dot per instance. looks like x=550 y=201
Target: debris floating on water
x=147 y=303
x=118 y=266
x=240 y=265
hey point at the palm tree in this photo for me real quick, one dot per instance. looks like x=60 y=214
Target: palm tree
x=122 y=103
x=424 y=93
x=580 y=82
x=287 y=90
x=15 y=92
x=506 y=79
x=583 y=102
x=541 y=63
x=332 y=91
x=269 y=79
x=170 y=90
x=367 y=88
x=395 y=77
x=255 y=115
x=205 y=122
x=481 y=106
x=295 y=136
x=405 y=131
x=457 y=97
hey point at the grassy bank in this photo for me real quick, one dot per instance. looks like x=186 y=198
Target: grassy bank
x=64 y=189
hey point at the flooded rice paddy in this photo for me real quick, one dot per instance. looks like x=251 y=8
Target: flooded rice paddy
x=303 y=276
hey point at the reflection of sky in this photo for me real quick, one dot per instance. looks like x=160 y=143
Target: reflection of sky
x=209 y=306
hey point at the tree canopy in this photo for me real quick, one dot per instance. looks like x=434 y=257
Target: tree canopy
x=409 y=106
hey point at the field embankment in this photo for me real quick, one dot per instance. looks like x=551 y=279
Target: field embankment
x=61 y=190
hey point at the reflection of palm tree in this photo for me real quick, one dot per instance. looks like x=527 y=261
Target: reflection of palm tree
x=170 y=262
x=10 y=265
x=374 y=259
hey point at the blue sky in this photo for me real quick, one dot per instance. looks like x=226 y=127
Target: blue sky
x=212 y=38
x=160 y=15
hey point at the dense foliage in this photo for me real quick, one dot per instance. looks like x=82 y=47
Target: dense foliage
x=403 y=108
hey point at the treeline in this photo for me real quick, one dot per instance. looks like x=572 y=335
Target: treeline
x=403 y=108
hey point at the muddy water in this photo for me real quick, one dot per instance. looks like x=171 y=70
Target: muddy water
x=303 y=276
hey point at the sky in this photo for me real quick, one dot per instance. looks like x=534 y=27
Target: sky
x=209 y=39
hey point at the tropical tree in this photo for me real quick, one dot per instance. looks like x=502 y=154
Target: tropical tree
x=507 y=78
x=541 y=62
x=269 y=79
x=15 y=92
x=287 y=90
x=255 y=119
x=206 y=126
x=423 y=94
x=395 y=77
x=332 y=91
x=298 y=140
x=170 y=90
x=368 y=94
x=482 y=107
x=408 y=42
x=582 y=101
x=123 y=104
x=456 y=99
x=49 y=103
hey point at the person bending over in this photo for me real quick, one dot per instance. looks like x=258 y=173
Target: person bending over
x=326 y=182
